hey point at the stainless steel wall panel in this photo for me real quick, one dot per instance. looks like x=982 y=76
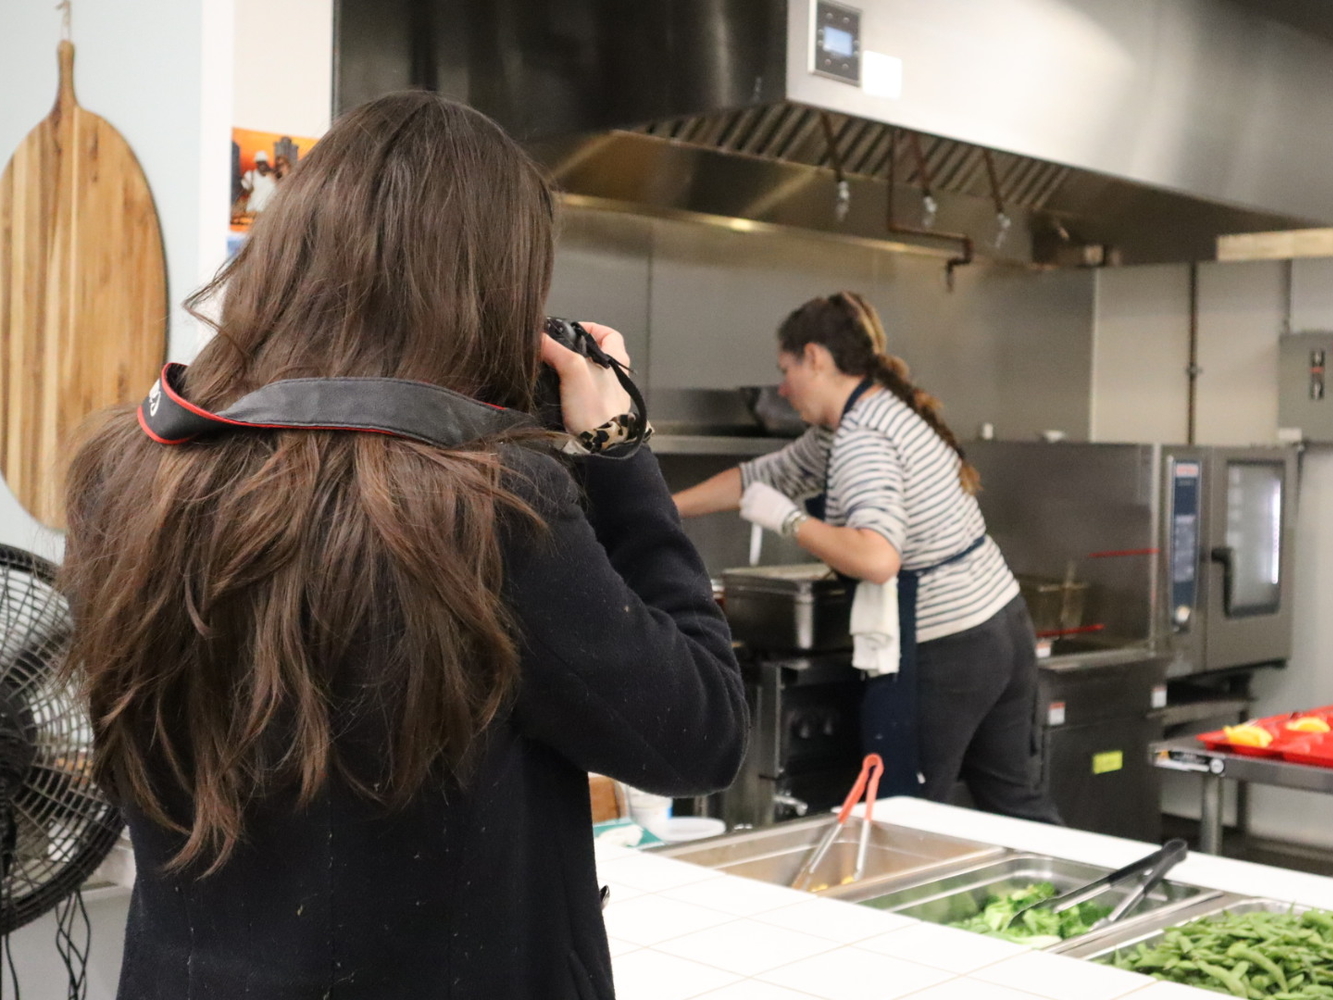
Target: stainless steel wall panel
x=602 y=267
x=700 y=307
x=1040 y=326
x=1140 y=353
x=718 y=297
x=1008 y=346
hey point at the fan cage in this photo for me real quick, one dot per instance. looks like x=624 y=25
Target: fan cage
x=62 y=827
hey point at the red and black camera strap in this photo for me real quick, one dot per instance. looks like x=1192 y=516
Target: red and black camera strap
x=416 y=410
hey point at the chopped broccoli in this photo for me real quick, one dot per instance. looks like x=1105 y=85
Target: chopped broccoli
x=1037 y=927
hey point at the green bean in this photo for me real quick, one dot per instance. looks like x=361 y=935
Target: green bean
x=1263 y=961
x=1225 y=977
x=1319 y=919
x=1268 y=956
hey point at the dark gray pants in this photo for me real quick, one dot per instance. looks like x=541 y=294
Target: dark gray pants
x=977 y=713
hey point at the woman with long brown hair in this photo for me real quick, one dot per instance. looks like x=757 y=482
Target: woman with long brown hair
x=347 y=684
x=938 y=624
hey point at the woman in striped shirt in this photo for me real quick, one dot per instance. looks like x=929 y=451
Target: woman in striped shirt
x=890 y=497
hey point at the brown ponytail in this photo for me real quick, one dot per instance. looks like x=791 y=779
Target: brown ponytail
x=892 y=373
x=848 y=326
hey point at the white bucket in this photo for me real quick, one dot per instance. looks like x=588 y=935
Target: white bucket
x=646 y=809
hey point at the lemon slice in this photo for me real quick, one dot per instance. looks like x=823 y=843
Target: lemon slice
x=1248 y=736
x=1308 y=724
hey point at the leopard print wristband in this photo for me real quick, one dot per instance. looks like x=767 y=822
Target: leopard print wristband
x=616 y=431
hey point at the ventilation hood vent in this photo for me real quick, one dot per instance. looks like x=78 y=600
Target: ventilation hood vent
x=1053 y=132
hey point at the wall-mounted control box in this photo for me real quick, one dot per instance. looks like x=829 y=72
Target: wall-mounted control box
x=836 y=51
x=1305 y=391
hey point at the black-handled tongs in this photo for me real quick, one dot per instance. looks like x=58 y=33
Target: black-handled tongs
x=1153 y=868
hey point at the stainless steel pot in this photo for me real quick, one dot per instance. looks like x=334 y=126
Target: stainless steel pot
x=773 y=413
x=803 y=607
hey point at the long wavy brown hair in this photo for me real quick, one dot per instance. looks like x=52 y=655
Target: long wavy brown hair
x=850 y=328
x=221 y=589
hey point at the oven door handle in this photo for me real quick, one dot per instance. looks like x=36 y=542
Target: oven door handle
x=1226 y=555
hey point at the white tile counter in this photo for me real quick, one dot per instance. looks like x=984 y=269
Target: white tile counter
x=679 y=931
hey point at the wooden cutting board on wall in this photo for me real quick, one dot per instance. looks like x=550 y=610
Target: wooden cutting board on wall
x=83 y=290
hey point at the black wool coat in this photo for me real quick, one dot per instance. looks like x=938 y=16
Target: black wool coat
x=488 y=890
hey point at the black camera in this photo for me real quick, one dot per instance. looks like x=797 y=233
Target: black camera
x=546 y=394
x=570 y=334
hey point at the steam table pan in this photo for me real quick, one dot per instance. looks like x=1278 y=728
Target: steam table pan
x=1151 y=930
x=775 y=853
x=962 y=893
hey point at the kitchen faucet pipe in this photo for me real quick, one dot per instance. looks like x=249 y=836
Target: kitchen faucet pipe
x=1192 y=370
x=890 y=224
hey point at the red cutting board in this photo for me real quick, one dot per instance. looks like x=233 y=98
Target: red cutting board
x=83 y=290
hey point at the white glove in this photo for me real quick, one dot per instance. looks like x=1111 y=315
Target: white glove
x=766 y=507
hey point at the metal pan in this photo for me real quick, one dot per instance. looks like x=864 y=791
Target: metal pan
x=1149 y=931
x=773 y=413
x=963 y=893
x=1147 y=871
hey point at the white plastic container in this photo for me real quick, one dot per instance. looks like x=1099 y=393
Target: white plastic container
x=646 y=809
x=678 y=829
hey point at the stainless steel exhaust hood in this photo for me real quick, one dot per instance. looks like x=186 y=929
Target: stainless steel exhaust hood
x=1130 y=131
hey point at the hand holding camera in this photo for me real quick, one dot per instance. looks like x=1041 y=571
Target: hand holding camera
x=598 y=403
x=590 y=393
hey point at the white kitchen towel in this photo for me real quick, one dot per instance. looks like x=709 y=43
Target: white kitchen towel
x=875 y=628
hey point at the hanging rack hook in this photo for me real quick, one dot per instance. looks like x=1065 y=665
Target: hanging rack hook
x=64 y=8
x=929 y=206
x=964 y=241
x=1002 y=220
x=843 y=200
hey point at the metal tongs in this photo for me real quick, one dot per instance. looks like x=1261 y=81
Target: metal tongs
x=867 y=783
x=1153 y=868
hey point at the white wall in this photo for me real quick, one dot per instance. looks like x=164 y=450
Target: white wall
x=140 y=66
x=161 y=72
x=1241 y=311
x=284 y=66
x=1140 y=342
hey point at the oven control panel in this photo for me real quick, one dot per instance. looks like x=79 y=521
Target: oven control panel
x=1184 y=556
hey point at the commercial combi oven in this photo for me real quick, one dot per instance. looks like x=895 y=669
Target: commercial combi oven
x=1186 y=550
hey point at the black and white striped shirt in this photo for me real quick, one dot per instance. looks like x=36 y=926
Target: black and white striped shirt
x=890 y=472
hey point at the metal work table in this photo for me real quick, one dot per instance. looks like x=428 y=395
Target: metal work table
x=1188 y=754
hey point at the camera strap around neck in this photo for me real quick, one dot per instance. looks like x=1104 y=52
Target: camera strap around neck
x=416 y=410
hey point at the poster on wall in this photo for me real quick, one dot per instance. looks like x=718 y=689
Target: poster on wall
x=259 y=162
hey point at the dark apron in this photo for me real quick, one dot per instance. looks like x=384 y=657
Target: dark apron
x=815 y=506
x=889 y=705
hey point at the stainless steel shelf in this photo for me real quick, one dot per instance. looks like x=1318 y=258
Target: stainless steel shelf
x=1189 y=754
x=715 y=444
x=1213 y=766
